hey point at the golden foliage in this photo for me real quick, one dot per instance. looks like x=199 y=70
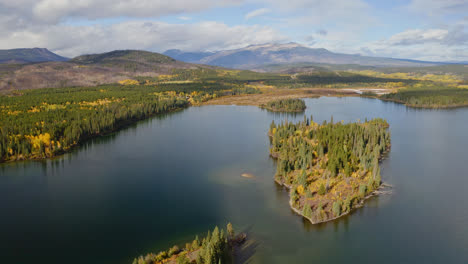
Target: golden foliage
x=448 y=79
x=129 y=82
x=34 y=109
x=49 y=107
x=14 y=112
x=37 y=140
x=300 y=190
x=166 y=77
x=100 y=102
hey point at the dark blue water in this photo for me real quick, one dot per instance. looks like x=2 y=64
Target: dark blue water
x=167 y=179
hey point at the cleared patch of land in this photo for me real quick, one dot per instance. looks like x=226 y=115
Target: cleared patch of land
x=377 y=91
x=270 y=94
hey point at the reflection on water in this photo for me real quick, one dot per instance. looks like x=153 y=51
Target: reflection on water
x=284 y=115
x=166 y=179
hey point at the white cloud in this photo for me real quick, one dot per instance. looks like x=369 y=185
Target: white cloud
x=53 y=11
x=310 y=40
x=29 y=23
x=346 y=21
x=439 y=7
x=319 y=12
x=185 y=18
x=446 y=44
x=418 y=36
x=256 y=13
x=454 y=36
x=155 y=36
x=322 y=32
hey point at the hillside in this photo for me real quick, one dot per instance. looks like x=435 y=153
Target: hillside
x=29 y=55
x=119 y=56
x=460 y=70
x=253 y=56
x=89 y=70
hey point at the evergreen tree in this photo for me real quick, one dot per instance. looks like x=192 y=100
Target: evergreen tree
x=196 y=243
x=230 y=230
x=322 y=189
x=307 y=211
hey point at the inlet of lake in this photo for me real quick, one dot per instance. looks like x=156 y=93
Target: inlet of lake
x=164 y=180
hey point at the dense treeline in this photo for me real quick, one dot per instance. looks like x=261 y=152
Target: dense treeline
x=340 y=77
x=430 y=96
x=200 y=91
x=428 y=90
x=215 y=248
x=286 y=105
x=230 y=76
x=313 y=79
x=455 y=78
x=331 y=167
x=46 y=122
x=322 y=79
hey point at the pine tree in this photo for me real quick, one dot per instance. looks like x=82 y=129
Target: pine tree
x=307 y=211
x=322 y=189
x=302 y=178
x=196 y=243
x=230 y=230
x=336 y=208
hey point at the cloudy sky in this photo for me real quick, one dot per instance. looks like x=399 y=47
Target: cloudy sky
x=415 y=29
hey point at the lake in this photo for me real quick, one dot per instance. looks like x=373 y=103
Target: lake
x=164 y=180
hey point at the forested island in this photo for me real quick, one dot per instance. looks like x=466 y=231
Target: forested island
x=217 y=247
x=329 y=168
x=285 y=105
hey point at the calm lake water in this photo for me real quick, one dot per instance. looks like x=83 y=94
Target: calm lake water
x=166 y=179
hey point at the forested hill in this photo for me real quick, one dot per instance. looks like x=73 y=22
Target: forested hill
x=117 y=56
x=89 y=70
x=29 y=55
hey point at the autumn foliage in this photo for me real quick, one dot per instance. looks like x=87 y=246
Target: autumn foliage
x=324 y=166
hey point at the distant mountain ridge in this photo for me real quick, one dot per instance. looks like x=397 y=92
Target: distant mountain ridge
x=188 y=56
x=90 y=70
x=29 y=55
x=253 y=56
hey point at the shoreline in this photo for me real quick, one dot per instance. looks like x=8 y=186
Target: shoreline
x=286 y=93
x=130 y=122
x=320 y=215
x=434 y=107
x=223 y=246
x=228 y=100
x=361 y=203
x=281 y=110
x=123 y=125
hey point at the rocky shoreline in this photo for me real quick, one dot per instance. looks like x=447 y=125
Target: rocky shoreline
x=379 y=191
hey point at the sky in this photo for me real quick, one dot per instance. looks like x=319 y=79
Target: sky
x=434 y=30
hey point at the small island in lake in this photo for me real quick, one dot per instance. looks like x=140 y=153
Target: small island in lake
x=285 y=105
x=217 y=247
x=331 y=168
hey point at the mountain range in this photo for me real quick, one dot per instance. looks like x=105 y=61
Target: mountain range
x=88 y=70
x=257 y=56
x=253 y=57
x=40 y=68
